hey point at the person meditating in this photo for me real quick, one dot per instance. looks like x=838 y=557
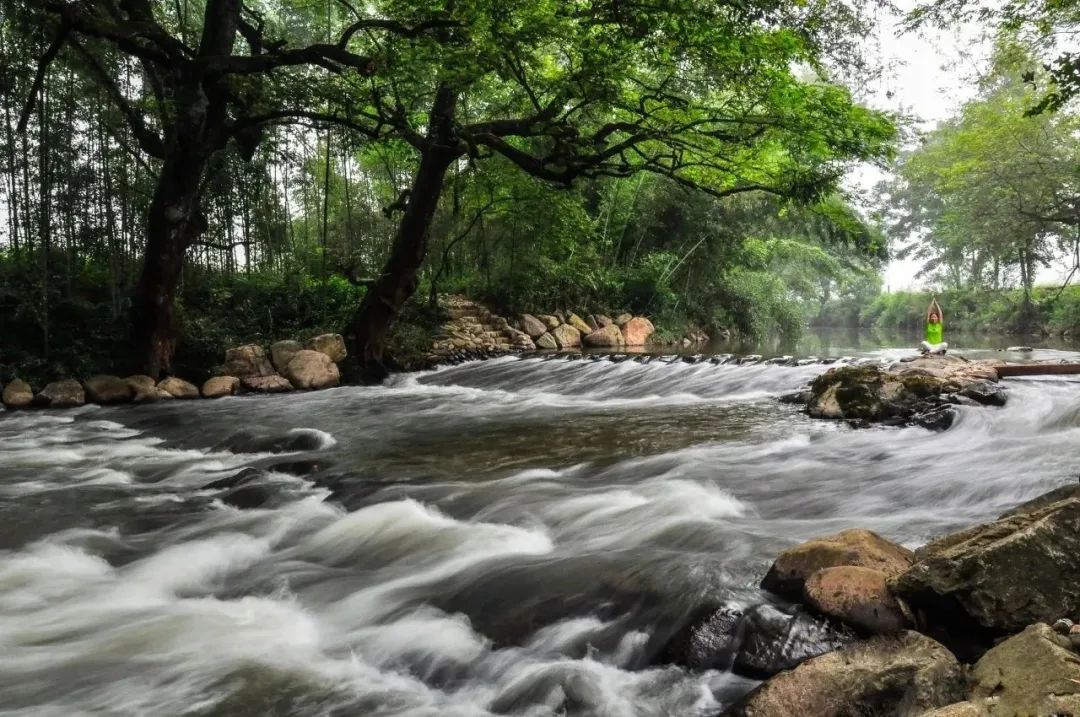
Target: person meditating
x=935 y=330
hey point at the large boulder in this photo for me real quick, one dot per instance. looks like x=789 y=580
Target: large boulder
x=550 y=321
x=62 y=394
x=533 y=326
x=145 y=390
x=546 y=341
x=997 y=578
x=566 y=336
x=856 y=596
x=636 y=331
x=758 y=642
x=18 y=394
x=267 y=384
x=106 y=390
x=218 y=386
x=312 y=370
x=333 y=345
x=579 y=323
x=608 y=337
x=178 y=388
x=1033 y=673
x=281 y=353
x=901 y=675
x=622 y=320
x=244 y=361
x=855 y=547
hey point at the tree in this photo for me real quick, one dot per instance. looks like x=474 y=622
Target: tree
x=700 y=92
x=196 y=94
x=993 y=191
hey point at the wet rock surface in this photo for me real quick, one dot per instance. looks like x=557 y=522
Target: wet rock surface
x=903 y=674
x=917 y=392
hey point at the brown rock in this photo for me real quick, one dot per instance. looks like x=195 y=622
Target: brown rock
x=901 y=674
x=546 y=341
x=219 y=386
x=608 y=337
x=18 y=394
x=178 y=388
x=637 y=331
x=856 y=596
x=603 y=320
x=281 y=353
x=566 y=336
x=107 y=390
x=333 y=345
x=62 y=394
x=267 y=384
x=622 y=320
x=579 y=323
x=249 y=360
x=960 y=709
x=312 y=370
x=533 y=326
x=857 y=547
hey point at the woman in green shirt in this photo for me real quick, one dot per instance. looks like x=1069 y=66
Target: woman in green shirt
x=935 y=330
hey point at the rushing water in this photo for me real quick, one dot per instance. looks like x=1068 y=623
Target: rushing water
x=508 y=537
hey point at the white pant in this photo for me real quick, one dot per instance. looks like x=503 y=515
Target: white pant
x=934 y=348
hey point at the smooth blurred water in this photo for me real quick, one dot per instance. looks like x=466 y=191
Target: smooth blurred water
x=508 y=537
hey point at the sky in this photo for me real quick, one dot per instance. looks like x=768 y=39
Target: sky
x=927 y=77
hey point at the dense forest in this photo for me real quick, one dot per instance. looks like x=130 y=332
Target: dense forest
x=182 y=176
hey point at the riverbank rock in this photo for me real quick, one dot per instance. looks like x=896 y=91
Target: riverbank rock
x=580 y=324
x=566 y=336
x=856 y=596
x=997 y=578
x=107 y=390
x=178 y=388
x=144 y=389
x=608 y=337
x=1033 y=673
x=622 y=320
x=533 y=326
x=267 y=384
x=855 y=547
x=547 y=341
x=312 y=370
x=17 y=394
x=902 y=674
x=62 y=394
x=333 y=345
x=636 y=331
x=244 y=361
x=281 y=353
x=219 y=386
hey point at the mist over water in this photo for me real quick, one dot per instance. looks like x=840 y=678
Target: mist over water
x=515 y=536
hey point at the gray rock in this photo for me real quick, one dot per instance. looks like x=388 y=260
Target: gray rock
x=107 y=390
x=62 y=394
x=566 y=336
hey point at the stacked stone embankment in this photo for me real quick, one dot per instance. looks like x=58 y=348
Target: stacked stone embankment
x=474 y=331
x=288 y=366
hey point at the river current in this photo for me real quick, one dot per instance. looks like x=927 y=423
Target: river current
x=515 y=536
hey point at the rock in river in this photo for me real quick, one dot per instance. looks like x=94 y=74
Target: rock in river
x=901 y=675
x=312 y=369
x=249 y=360
x=178 y=388
x=566 y=336
x=219 y=386
x=281 y=353
x=856 y=547
x=333 y=345
x=608 y=337
x=998 y=578
x=856 y=596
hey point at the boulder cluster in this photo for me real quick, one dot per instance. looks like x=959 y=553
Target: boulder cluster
x=474 y=331
x=290 y=366
x=973 y=624
x=918 y=391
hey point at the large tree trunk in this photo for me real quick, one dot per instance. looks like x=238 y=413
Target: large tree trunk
x=397 y=283
x=385 y=298
x=174 y=222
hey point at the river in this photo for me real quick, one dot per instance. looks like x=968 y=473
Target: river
x=501 y=537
